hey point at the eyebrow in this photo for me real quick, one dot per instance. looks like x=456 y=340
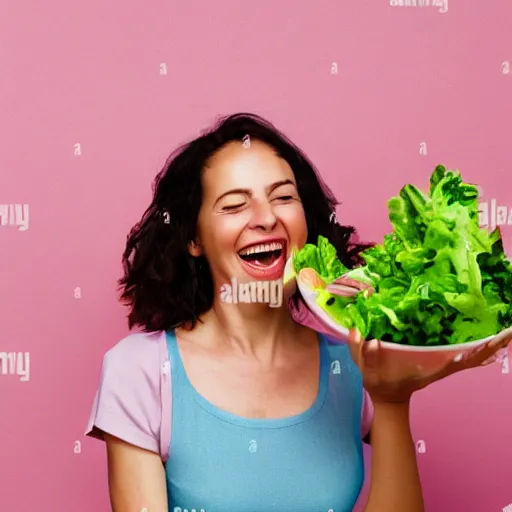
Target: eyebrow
x=248 y=192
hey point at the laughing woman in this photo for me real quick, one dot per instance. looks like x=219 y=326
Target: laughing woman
x=223 y=407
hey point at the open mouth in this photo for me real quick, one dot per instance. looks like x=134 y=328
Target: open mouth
x=263 y=255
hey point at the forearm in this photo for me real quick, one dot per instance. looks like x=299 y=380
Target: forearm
x=395 y=483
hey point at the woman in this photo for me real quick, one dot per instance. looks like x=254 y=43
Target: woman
x=267 y=413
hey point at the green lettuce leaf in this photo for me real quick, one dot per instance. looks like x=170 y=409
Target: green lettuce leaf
x=322 y=258
x=438 y=277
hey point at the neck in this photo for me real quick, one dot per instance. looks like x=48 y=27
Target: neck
x=255 y=331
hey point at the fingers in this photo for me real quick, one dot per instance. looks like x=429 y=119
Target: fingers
x=501 y=340
x=484 y=355
x=489 y=361
x=371 y=353
x=366 y=354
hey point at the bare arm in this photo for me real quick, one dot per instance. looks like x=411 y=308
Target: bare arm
x=395 y=483
x=136 y=478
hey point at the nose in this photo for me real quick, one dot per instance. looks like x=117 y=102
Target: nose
x=263 y=216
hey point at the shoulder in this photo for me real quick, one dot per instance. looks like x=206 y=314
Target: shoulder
x=137 y=343
x=128 y=400
x=134 y=362
x=133 y=367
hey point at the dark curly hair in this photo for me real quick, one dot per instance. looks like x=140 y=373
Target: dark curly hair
x=164 y=286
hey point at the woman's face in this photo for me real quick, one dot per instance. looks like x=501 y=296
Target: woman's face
x=251 y=216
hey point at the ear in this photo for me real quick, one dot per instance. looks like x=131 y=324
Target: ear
x=195 y=249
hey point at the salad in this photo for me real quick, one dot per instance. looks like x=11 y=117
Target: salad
x=436 y=279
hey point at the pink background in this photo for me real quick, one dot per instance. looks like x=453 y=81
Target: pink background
x=94 y=96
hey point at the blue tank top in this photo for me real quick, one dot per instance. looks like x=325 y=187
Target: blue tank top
x=311 y=462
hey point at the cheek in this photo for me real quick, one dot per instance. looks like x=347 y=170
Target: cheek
x=225 y=230
x=294 y=220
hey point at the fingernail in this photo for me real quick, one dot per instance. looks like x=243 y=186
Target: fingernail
x=457 y=358
x=495 y=341
x=373 y=345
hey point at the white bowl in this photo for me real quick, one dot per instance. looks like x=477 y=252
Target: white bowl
x=426 y=358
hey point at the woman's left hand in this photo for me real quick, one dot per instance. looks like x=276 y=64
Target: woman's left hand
x=388 y=381
x=385 y=378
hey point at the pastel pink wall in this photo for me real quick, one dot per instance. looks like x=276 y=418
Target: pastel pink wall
x=94 y=96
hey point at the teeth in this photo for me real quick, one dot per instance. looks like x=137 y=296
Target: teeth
x=274 y=246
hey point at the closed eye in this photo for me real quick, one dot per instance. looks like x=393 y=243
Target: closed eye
x=236 y=206
x=232 y=207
